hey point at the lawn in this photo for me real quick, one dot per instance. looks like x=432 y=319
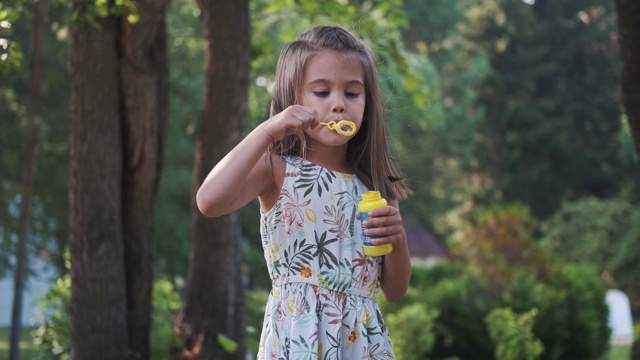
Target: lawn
x=27 y=349
x=619 y=352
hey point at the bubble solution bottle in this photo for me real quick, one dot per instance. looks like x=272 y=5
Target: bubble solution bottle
x=372 y=200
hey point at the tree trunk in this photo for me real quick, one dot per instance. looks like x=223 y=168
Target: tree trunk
x=628 y=12
x=28 y=169
x=118 y=122
x=213 y=304
x=144 y=70
x=98 y=288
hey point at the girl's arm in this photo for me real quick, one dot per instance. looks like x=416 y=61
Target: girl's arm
x=247 y=172
x=396 y=267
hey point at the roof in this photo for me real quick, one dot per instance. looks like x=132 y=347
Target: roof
x=424 y=244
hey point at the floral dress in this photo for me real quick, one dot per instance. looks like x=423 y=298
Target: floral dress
x=322 y=303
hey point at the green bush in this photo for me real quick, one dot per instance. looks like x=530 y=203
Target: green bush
x=462 y=298
x=603 y=233
x=512 y=334
x=52 y=338
x=255 y=302
x=571 y=321
x=580 y=314
x=166 y=304
x=411 y=331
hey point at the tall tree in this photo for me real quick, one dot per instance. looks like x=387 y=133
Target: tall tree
x=628 y=12
x=551 y=130
x=118 y=121
x=28 y=169
x=213 y=305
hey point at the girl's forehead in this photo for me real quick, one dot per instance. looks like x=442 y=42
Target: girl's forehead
x=333 y=65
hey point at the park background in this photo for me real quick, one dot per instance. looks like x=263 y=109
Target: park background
x=506 y=115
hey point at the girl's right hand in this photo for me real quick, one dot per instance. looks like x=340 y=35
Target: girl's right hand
x=291 y=120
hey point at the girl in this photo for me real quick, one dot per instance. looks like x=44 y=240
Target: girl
x=308 y=180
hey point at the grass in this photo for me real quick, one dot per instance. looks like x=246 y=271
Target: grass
x=619 y=352
x=27 y=349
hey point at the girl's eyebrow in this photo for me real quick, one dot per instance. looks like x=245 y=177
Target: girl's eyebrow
x=326 y=81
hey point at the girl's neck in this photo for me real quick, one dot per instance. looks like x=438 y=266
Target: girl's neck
x=332 y=158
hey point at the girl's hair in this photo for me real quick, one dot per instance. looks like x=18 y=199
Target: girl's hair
x=367 y=153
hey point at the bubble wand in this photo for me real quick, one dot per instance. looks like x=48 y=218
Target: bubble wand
x=340 y=125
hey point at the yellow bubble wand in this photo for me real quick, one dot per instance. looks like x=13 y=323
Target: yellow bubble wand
x=339 y=127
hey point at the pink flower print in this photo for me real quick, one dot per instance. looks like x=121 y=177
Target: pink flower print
x=289 y=232
x=273 y=355
x=365 y=278
x=286 y=214
x=280 y=313
x=299 y=224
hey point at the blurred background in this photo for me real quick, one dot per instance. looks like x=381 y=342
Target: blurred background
x=507 y=117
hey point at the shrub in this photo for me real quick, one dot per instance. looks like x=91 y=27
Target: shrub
x=571 y=321
x=411 y=331
x=512 y=334
x=52 y=338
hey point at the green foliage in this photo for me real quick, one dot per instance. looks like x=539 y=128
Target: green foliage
x=91 y=10
x=227 y=343
x=52 y=338
x=255 y=301
x=601 y=232
x=11 y=55
x=166 y=304
x=186 y=84
x=49 y=210
x=439 y=147
x=412 y=331
x=512 y=334
x=541 y=144
x=571 y=321
x=583 y=311
x=497 y=265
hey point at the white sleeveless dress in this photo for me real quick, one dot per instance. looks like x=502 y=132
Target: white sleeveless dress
x=322 y=304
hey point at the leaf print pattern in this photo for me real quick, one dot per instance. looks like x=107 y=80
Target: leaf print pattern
x=337 y=219
x=292 y=207
x=299 y=255
x=326 y=258
x=314 y=176
x=322 y=304
x=349 y=200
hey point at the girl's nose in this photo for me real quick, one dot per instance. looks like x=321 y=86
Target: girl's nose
x=338 y=106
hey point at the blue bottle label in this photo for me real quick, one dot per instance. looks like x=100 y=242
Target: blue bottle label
x=366 y=240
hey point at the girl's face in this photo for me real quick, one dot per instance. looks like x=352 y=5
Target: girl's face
x=333 y=85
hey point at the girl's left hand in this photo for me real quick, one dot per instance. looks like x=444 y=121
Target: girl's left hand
x=386 y=223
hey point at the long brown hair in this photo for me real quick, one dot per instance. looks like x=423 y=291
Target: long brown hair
x=367 y=153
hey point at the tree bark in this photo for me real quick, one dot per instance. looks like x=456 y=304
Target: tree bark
x=213 y=302
x=144 y=74
x=119 y=111
x=28 y=172
x=628 y=12
x=98 y=289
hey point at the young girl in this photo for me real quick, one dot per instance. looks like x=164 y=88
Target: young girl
x=309 y=179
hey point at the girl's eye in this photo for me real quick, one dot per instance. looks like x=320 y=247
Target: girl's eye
x=321 y=93
x=352 y=94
